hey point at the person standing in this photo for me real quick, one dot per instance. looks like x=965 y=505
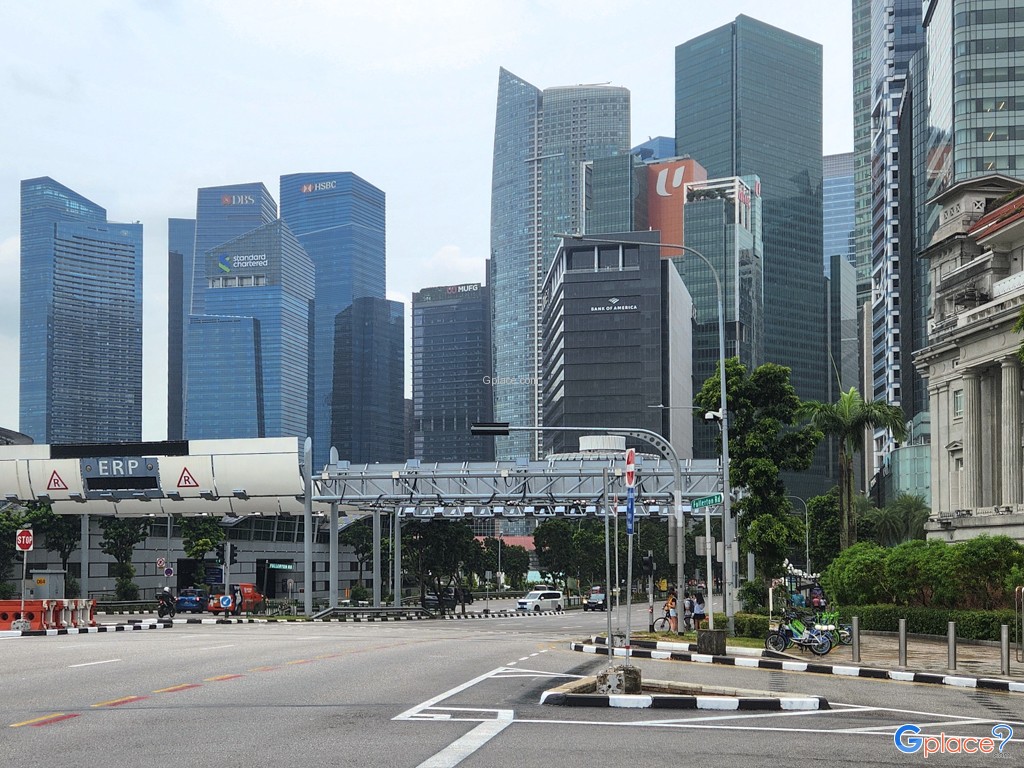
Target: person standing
x=688 y=606
x=670 y=609
x=698 y=611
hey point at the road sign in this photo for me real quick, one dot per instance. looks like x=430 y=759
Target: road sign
x=630 y=468
x=24 y=540
x=225 y=601
x=160 y=562
x=630 y=503
x=707 y=501
x=168 y=572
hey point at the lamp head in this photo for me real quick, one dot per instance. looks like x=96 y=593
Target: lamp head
x=713 y=416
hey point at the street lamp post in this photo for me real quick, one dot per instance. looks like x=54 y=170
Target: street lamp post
x=728 y=529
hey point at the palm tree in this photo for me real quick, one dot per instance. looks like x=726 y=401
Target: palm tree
x=846 y=420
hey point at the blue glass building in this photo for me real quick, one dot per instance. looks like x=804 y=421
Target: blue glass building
x=81 y=319
x=837 y=209
x=339 y=220
x=368 y=408
x=181 y=239
x=247 y=356
x=541 y=140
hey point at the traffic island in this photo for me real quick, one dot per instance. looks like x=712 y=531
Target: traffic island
x=665 y=694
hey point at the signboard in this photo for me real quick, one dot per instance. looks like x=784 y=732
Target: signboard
x=214 y=575
x=119 y=473
x=225 y=601
x=707 y=501
x=630 y=503
x=281 y=566
x=160 y=562
x=631 y=468
x=168 y=572
x=24 y=540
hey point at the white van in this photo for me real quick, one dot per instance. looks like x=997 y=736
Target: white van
x=541 y=600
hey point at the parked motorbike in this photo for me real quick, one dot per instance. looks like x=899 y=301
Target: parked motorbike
x=165 y=606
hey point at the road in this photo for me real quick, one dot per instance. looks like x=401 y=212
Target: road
x=438 y=693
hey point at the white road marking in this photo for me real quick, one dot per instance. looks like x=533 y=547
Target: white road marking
x=462 y=748
x=91 y=663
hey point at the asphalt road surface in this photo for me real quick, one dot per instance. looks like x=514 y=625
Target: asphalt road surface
x=438 y=694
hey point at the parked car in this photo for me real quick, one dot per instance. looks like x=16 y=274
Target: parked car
x=541 y=600
x=251 y=600
x=191 y=601
x=431 y=603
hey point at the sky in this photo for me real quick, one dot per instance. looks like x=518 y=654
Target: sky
x=135 y=105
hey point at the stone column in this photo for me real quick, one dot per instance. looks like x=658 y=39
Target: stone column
x=971 y=492
x=940 y=485
x=1010 y=429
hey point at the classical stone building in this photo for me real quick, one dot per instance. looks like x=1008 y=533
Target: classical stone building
x=972 y=360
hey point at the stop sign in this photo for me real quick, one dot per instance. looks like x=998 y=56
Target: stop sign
x=23 y=540
x=630 y=468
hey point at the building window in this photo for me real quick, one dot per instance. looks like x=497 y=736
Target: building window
x=958 y=404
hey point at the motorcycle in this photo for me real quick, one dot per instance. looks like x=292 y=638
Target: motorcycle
x=165 y=607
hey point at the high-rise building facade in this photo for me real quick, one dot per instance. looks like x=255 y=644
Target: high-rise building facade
x=247 y=356
x=368 y=407
x=451 y=372
x=81 y=319
x=748 y=102
x=617 y=333
x=541 y=138
x=837 y=209
x=181 y=240
x=736 y=121
x=862 y=146
x=339 y=219
x=722 y=221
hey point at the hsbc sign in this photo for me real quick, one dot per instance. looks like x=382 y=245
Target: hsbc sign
x=319 y=186
x=237 y=200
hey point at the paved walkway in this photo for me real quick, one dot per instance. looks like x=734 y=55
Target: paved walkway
x=926 y=655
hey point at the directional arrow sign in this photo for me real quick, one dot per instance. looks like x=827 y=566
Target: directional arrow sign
x=707 y=501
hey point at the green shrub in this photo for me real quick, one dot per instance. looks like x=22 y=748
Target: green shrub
x=970 y=625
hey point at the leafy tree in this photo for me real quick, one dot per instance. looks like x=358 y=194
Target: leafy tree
x=435 y=552
x=556 y=550
x=120 y=535
x=13 y=517
x=764 y=441
x=846 y=420
x=63 y=534
x=200 y=535
x=515 y=563
x=920 y=573
x=823 y=536
x=982 y=566
x=359 y=536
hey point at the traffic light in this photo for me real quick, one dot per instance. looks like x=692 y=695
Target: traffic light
x=220 y=554
x=648 y=564
x=233 y=549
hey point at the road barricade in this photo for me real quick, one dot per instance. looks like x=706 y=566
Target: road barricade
x=10 y=611
x=49 y=614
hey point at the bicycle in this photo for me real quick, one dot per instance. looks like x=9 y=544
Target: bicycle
x=662 y=624
x=791 y=631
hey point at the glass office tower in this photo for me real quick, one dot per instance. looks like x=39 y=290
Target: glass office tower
x=181 y=240
x=541 y=138
x=248 y=355
x=81 y=319
x=368 y=409
x=339 y=219
x=451 y=372
x=748 y=102
x=837 y=209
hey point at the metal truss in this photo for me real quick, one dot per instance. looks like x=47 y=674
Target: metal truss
x=555 y=487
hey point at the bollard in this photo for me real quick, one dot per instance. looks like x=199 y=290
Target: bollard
x=903 y=644
x=856 y=639
x=1004 y=649
x=951 y=646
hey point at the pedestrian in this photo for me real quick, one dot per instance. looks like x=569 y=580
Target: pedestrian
x=670 y=609
x=698 y=610
x=688 y=606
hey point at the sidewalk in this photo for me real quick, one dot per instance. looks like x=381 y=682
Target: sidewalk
x=926 y=654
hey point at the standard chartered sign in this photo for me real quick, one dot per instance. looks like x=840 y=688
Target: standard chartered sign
x=245 y=260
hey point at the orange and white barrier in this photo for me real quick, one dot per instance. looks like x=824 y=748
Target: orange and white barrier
x=49 y=614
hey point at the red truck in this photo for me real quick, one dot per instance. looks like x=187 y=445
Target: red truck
x=244 y=597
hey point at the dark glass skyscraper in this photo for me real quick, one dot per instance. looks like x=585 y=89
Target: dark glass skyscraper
x=451 y=372
x=81 y=319
x=368 y=409
x=837 y=209
x=748 y=102
x=339 y=219
x=181 y=240
x=540 y=141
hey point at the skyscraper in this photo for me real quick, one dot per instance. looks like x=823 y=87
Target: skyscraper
x=81 y=319
x=837 y=209
x=748 y=102
x=862 y=147
x=339 y=219
x=247 y=357
x=181 y=240
x=451 y=372
x=368 y=408
x=540 y=140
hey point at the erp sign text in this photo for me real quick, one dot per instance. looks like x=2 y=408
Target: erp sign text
x=118 y=466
